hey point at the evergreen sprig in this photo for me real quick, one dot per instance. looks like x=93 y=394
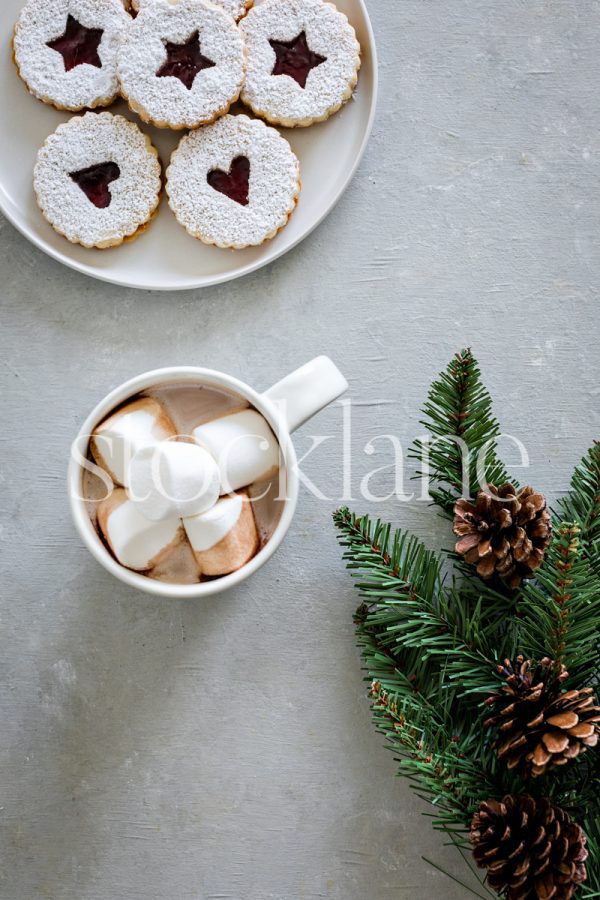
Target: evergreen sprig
x=422 y=627
x=561 y=609
x=432 y=644
x=582 y=503
x=461 y=430
x=432 y=758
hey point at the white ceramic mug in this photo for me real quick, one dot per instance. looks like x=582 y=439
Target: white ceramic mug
x=285 y=406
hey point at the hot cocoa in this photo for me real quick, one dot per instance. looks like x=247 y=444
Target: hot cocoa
x=182 y=482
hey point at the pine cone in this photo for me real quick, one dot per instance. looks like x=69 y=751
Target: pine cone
x=505 y=531
x=532 y=850
x=539 y=726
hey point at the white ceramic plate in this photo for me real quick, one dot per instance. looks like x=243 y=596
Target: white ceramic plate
x=166 y=257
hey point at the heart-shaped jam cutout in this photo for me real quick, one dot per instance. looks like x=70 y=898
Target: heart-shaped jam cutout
x=295 y=58
x=78 y=45
x=184 y=61
x=94 y=182
x=235 y=184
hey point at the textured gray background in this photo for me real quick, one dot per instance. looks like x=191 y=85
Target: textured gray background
x=223 y=750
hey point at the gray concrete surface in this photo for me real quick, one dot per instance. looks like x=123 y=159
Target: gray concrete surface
x=223 y=750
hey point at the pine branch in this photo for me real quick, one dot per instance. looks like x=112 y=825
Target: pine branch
x=591 y=826
x=441 y=772
x=434 y=650
x=407 y=612
x=582 y=503
x=446 y=635
x=431 y=649
x=460 y=421
x=396 y=564
x=576 y=788
x=561 y=609
x=397 y=672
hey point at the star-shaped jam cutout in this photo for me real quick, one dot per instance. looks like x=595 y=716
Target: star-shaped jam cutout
x=94 y=182
x=184 y=61
x=295 y=58
x=78 y=45
x=235 y=184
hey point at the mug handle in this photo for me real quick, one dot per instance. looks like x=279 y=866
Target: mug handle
x=301 y=394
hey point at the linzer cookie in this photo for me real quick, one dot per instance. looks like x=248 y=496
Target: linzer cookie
x=66 y=50
x=97 y=180
x=235 y=8
x=181 y=64
x=234 y=184
x=303 y=61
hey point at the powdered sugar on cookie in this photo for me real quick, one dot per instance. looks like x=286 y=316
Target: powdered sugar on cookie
x=235 y=8
x=320 y=39
x=97 y=179
x=220 y=207
x=46 y=70
x=190 y=37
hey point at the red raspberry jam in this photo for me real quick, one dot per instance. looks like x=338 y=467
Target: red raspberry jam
x=78 y=45
x=184 y=61
x=235 y=183
x=295 y=58
x=94 y=182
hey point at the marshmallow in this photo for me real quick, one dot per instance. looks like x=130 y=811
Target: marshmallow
x=167 y=502
x=173 y=478
x=116 y=441
x=245 y=448
x=226 y=537
x=136 y=542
